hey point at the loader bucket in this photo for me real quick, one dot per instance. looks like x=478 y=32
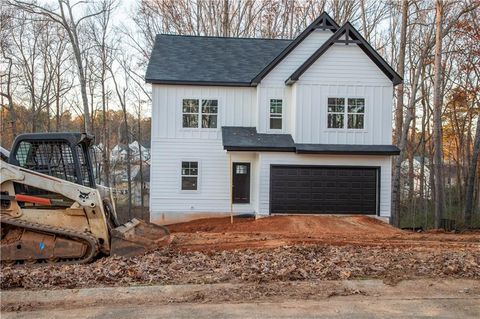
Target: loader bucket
x=136 y=237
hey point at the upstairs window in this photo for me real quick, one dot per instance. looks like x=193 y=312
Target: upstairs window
x=189 y=176
x=190 y=113
x=346 y=113
x=356 y=113
x=336 y=112
x=194 y=116
x=276 y=114
x=209 y=113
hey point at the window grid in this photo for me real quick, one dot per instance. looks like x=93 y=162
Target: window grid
x=190 y=110
x=194 y=116
x=276 y=108
x=352 y=109
x=336 y=112
x=355 y=113
x=209 y=113
x=189 y=176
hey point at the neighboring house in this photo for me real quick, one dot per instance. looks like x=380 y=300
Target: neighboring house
x=119 y=152
x=270 y=126
x=120 y=182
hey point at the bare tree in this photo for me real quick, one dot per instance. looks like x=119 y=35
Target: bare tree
x=100 y=30
x=437 y=117
x=122 y=92
x=474 y=63
x=399 y=112
x=63 y=15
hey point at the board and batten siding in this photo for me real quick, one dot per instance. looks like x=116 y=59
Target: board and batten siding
x=295 y=59
x=236 y=107
x=343 y=71
x=275 y=158
x=172 y=144
x=311 y=114
x=273 y=85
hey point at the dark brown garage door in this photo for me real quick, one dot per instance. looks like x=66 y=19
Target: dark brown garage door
x=323 y=190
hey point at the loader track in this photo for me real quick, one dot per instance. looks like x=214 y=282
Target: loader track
x=92 y=243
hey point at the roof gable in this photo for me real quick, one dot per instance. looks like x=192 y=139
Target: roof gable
x=352 y=36
x=323 y=22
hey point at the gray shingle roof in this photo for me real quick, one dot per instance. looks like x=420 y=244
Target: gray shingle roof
x=347 y=149
x=194 y=59
x=237 y=138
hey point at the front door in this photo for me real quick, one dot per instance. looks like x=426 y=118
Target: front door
x=241 y=183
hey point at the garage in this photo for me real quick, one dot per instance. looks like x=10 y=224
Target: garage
x=323 y=190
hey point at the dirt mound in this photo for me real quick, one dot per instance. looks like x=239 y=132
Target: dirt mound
x=314 y=225
x=214 y=234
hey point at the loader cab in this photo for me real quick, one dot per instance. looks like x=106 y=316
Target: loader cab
x=62 y=155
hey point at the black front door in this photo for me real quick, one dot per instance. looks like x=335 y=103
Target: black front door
x=241 y=183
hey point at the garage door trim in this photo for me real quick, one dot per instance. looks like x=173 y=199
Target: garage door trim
x=377 y=168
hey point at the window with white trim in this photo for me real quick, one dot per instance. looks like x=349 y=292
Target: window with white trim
x=189 y=176
x=190 y=113
x=209 y=113
x=276 y=106
x=346 y=113
x=355 y=113
x=194 y=116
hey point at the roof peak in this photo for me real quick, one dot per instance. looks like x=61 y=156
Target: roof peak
x=323 y=22
x=349 y=31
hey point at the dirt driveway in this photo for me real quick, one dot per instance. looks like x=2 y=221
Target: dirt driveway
x=275 y=249
x=277 y=231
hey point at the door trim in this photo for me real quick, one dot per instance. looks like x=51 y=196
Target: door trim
x=247 y=185
x=378 y=178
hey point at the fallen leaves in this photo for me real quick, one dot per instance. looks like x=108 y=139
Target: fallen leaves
x=289 y=263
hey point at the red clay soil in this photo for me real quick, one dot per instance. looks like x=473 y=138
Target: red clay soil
x=275 y=231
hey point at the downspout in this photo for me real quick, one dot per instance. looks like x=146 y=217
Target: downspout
x=231 y=186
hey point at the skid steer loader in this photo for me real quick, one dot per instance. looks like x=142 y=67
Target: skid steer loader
x=53 y=212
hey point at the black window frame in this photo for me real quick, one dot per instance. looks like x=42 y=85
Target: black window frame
x=345 y=114
x=189 y=172
x=275 y=116
x=205 y=114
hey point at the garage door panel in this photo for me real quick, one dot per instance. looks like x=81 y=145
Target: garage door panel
x=316 y=189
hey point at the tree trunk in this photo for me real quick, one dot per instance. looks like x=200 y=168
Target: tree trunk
x=129 y=170
x=437 y=118
x=472 y=170
x=402 y=146
x=401 y=72
x=106 y=161
x=142 y=204
x=399 y=120
x=411 y=157
x=226 y=24
x=57 y=100
x=72 y=34
x=83 y=89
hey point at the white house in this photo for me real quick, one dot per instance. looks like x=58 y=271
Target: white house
x=267 y=126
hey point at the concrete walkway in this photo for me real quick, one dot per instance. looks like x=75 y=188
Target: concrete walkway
x=336 y=299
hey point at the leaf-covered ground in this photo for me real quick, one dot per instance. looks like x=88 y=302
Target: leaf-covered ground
x=287 y=263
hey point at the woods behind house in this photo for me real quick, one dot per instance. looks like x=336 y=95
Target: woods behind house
x=79 y=66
